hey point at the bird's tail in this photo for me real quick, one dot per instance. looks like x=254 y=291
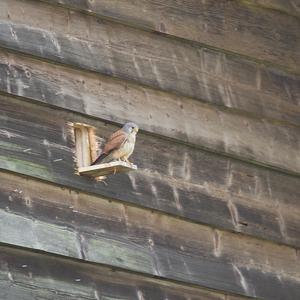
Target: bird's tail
x=99 y=159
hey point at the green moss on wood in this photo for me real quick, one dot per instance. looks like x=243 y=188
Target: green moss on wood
x=25 y=167
x=119 y=254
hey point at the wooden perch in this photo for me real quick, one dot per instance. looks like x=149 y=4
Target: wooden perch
x=107 y=169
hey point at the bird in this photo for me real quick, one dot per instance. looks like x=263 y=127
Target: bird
x=120 y=145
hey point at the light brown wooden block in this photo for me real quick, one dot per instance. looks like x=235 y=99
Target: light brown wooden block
x=107 y=169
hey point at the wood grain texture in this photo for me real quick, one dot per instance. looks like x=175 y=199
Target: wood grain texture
x=231 y=25
x=110 y=168
x=94 y=229
x=291 y=7
x=179 y=118
x=83 y=41
x=172 y=177
x=26 y=275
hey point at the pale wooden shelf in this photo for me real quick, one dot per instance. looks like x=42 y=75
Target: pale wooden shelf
x=107 y=169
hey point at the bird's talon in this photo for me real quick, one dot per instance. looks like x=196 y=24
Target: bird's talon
x=102 y=180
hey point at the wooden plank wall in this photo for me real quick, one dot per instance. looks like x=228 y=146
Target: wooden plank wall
x=213 y=211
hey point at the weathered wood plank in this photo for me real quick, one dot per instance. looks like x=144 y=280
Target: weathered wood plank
x=232 y=25
x=102 y=231
x=83 y=41
x=161 y=113
x=179 y=179
x=291 y=7
x=107 y=169
x=26 y=275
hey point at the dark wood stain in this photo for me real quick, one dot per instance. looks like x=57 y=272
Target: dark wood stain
x=110 y=233
x=48 y=277
x=197 y=124
x=151 y=60
x=219 y=24
x=183 y=181
x=212 y=211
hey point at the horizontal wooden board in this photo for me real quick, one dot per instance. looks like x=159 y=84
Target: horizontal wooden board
x=231 y=25
x=171 y=177
x=26 y=275
x=290 y=7
x=183 y=119
x=107 y=169
x=91 y=228
x=83 y=41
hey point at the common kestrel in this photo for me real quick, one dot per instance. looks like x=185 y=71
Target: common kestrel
x=120 y=145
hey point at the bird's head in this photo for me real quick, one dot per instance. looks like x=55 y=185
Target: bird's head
x=130 y=127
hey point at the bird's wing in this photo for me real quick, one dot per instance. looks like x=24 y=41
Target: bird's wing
x=115 y=141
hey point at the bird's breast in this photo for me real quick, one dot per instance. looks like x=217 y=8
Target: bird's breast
x=128 y=146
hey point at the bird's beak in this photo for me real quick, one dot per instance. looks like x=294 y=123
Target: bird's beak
x=136 y=129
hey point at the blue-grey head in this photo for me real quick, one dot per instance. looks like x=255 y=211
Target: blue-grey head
x=130 y=127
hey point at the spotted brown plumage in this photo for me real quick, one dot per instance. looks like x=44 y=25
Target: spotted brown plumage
x=120 y=144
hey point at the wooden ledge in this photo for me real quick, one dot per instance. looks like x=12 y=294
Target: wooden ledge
x=107 y=169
